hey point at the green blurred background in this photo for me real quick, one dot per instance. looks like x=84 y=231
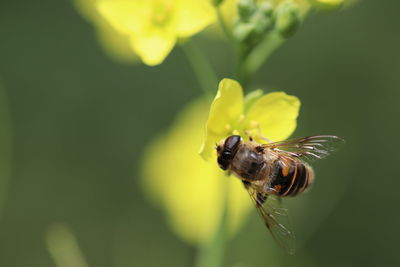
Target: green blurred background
x=73 y=126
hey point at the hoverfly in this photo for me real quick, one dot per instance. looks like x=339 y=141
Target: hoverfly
x=275 y=170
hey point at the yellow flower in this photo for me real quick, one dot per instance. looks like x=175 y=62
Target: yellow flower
x=272 y=116
x=189 y=189
x=154 y=26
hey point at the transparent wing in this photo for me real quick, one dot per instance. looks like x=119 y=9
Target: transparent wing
x=275 y=218
x=308 y=148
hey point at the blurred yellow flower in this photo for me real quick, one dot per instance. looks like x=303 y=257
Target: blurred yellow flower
x=154 y=26
x=189 y=189
x=272 y=115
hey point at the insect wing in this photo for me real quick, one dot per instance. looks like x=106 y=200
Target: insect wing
x=308 y=148
x=275 y=218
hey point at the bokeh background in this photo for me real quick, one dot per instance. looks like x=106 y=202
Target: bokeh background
x=74 y=125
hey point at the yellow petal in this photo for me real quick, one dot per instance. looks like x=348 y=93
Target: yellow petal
x=207 y=147
x=154 y=46
x=224 y=114
x=193 y=16
x=128 y=17
x=188 y=188
x=276 y=115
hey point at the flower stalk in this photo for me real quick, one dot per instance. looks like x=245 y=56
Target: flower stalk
x=250 y=63
x=224 y=26
x=5 y=147
x=212 y=253
x=203 y=70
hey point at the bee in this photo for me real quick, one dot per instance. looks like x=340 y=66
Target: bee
x=272 y=171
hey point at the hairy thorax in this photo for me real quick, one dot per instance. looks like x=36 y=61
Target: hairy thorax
x=249 y=164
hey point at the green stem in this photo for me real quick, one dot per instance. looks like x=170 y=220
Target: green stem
x=212 y=253
x=5 y=147
x=224 y=26
x=250 y=59
x=202 y=68
x=249 y=64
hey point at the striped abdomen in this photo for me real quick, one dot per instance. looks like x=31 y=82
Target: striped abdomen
x=290 y=177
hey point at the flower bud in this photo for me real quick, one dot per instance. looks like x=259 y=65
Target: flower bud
x=252 y=30
x=217 y=2
x=246 y=8
x=266 y=8
x=243 y=30
x=261 y=23
x=287 y=16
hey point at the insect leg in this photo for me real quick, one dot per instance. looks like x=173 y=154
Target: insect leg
x=261 y=198
x=247 y=133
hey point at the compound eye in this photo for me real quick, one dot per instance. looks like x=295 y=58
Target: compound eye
x=223 y=163
x=232 y=142
x=226 y=155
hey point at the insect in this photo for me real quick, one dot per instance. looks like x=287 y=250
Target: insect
x=272 y=171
